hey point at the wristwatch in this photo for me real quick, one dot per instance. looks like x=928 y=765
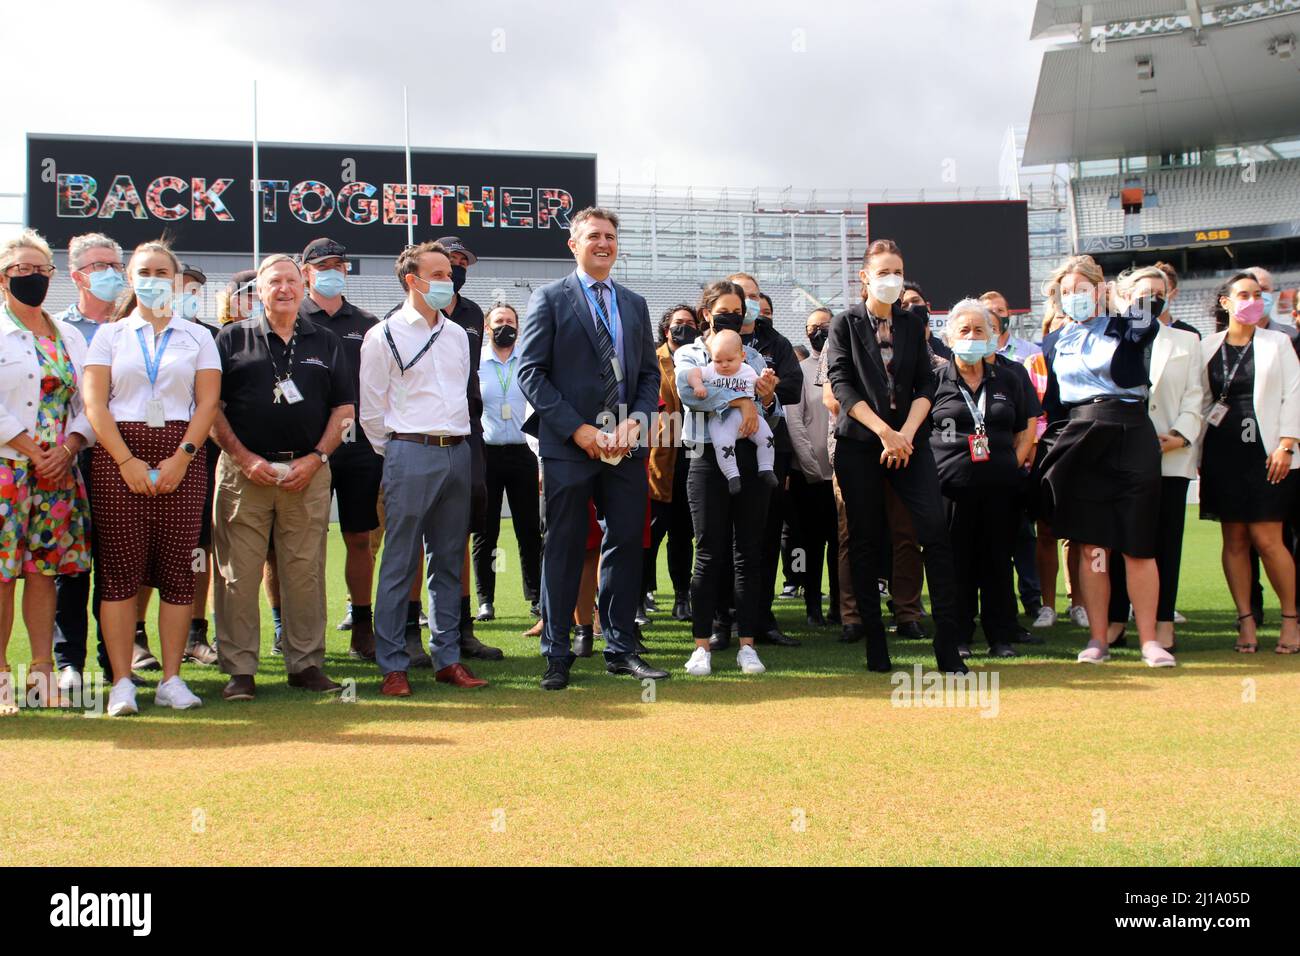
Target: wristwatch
x=189 y=448
x=324 y=458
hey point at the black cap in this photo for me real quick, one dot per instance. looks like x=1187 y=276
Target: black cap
x=453 y=244
x=323 y=248
x=194 y=272
x=240 y=279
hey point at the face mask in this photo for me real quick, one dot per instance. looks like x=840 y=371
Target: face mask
x=329 y=283
x=727 y=321
x=1079 y=306
x=458 y=276
x=1149 y=307
x=683 y=334
x=439 y=295
x=1270 y=301
x=817 y=338
x=188 y=306
x=921 y=311
x=29 y=290
x=504 y=335
x=153 y=293
x=1249 y=312
x=972 y=350
x=107 y=285
x=753 y=310
x=886 y=289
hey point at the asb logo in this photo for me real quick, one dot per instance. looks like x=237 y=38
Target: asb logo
x=1213 y=235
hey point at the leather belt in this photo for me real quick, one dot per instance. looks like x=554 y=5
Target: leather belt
x=442 y=441
x=286 y=455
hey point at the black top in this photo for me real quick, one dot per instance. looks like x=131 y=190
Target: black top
x=1005 y=413
x=1180 y=324
x=779 y=355
x=320 y=371
x=349 y=325
x=1033 y=406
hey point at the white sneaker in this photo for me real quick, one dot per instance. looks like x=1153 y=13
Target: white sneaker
x=1079 y=616
x=1179 y=619
x=701 y=663
x=1156 y=656
x=174 y=693
x=121 y=699
x=1094 y=653
x=69 y=681
x=1046 y=617
x=748 y=660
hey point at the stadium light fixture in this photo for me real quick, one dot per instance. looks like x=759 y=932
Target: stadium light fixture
x=1282 y=47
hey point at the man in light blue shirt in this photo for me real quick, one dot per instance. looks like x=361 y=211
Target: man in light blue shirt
x=1009 y=346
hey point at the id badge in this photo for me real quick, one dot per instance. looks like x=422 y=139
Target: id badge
x=506 y=413
x=618 y=368
x=290 y=392
x=1217 y=413
x=979 y=447
x=154 y=416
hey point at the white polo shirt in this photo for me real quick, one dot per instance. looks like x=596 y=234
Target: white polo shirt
x=190 y=349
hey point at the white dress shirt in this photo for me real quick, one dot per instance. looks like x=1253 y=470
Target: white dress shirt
x=430 y=397
x=190 y=350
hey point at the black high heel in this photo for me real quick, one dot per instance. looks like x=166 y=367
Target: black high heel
x=1242 y=647
x=1287 y=648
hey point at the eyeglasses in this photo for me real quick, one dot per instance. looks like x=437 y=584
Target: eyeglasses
x=26 y=269
x=102 y=266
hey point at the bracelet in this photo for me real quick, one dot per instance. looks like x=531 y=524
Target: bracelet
x=71 y=454
x=123 y=462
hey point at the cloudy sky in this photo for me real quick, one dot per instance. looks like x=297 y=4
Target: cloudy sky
x=676 y=91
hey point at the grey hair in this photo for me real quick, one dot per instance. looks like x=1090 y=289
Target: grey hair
x=80 y=245
x=961 y=308
x=592 y=212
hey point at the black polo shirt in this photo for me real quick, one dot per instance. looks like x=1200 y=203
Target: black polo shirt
x=1005 y=413
x=320 y=370
x=349 y=324
x=1033 y=406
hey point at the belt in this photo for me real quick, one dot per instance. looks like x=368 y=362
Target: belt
x=286 y=455
x=442 y=441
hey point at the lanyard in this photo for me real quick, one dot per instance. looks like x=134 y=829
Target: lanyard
x=419 y=355
x=606 y=315
x=506 y=379
x=1229 y=376
x=293 y=341
x=975 y=413
x=151 y=368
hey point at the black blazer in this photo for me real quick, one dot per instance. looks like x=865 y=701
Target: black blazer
x=857 y=372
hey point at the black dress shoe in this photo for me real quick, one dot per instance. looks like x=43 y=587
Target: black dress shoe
x=878 y=654
x=486 y=612
x=651 y=603
x=1002 y=650
x=720 y=640
x=1022 y=635
x=815 y=619
x=642 y=618
x=638 y=642
x=582 y=640
x=852 y=633
x=774 y=636
x=633 y=666
x=681 y=609
x=535 y=609
x=910 y=631
x=963 y=651
x=557 y=673
x=833 y=618
x=948 y=661
x=1121 y=640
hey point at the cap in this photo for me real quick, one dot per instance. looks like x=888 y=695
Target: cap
x=189 y=271
x=323 y=248
x=453 y=244
x=240 y=279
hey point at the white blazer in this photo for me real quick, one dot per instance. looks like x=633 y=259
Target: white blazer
x=1176 y=397
x=1277 y=386
x=20 y=383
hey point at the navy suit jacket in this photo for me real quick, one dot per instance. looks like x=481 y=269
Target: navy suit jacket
x=559 y=364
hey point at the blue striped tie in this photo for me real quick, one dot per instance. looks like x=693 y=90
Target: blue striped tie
x=606 y=343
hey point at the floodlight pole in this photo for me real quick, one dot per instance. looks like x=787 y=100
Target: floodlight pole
x=257 y=213
x=410 y=199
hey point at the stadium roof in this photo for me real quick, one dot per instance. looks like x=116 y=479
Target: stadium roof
x=1055 y=16
x=1219 y=86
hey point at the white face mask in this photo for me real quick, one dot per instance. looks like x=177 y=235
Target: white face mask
x=886 y=289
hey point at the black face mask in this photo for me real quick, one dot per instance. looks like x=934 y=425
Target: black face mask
x=920 y=310
x=817 y=337
x=458 y=276
x=29 y=290
x=728 y=322
x=683 y=334
x=1144 y=307
x=504 y=336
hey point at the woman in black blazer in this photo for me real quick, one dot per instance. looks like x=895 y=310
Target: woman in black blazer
x=879 y=370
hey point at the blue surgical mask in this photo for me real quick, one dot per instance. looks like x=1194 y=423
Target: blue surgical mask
x=439 y=295
x=753 y=310
x=153 y=293
x=1080 y=306
x=1270 y=300
x=107 y=285
x=972 y=350
x=329 y=283
x=187 y=306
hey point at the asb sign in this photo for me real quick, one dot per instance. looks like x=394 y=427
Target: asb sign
x=204 y=196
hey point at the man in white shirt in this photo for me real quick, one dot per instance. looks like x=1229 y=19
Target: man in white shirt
x=415 y=366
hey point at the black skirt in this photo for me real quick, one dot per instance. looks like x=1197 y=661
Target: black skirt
x=1101 y=478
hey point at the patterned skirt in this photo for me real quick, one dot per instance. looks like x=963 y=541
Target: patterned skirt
x=44 y=526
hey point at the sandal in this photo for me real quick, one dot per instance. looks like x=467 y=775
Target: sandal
x=8 y=706
x=1283 y=648
x=48 y=696
x=1245 y=647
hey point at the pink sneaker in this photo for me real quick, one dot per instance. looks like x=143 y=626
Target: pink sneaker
x=1157 y=656
x=1095 y=653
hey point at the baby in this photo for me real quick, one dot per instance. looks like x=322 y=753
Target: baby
x=729 y=371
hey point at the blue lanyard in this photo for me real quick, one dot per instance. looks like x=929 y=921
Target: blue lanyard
x=151 y=367
x=607 y=318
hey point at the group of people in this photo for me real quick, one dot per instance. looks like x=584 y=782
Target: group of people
x=152 y=447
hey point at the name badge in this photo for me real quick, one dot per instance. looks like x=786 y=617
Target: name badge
x=618 y=368
x=979 y=447
x=289 y=391
x=154 y=415
x=1217 y=413
x=506 y=413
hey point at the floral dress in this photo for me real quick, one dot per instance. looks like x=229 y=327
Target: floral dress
x=44 y=524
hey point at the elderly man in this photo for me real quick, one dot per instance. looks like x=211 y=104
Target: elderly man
x=286 y=396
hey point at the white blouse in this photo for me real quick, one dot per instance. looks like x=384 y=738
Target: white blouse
x=190 y=349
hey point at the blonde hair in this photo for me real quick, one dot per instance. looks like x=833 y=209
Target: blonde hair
x=27 y=239
x=1126 y=280
x=1085 y=266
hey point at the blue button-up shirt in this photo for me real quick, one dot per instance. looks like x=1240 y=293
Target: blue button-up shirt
x=87 y=327
x=1082 y=363
x=491 y=373
x=611 y=303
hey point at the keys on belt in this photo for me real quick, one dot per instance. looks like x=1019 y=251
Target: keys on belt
x=441 y=441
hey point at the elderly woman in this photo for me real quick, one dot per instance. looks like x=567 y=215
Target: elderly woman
x=1101 y=477
x=978 y=437
x=43 y=510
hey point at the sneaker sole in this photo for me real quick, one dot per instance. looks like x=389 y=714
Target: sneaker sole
x=1090 y=660
x=1159 y=663
x=123 y=711
x=159 y=703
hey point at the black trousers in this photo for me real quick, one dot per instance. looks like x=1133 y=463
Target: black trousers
x=983 y=524
x=671 y=520
x=862 y=481
x=1169 y=555
x=72 y=594
x=511 y=472
x=792 y=531
x=728 y=533
x=818 y=525
x=771 y=544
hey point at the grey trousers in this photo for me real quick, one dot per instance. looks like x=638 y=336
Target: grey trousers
x=426 y=505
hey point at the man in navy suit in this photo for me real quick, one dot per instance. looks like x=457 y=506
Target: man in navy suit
x=588 y=368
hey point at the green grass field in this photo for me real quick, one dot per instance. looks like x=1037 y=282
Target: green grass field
x=807 y=764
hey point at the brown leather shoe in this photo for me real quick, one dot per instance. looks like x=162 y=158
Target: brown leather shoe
x=396 y=685
x=459 y=675
x=240 y=687
x=313 y=678
x=363 y=641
